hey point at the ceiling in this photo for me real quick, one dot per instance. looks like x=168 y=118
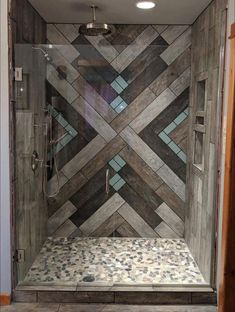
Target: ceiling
x=120 y=11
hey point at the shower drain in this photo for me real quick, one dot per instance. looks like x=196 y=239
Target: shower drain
x=89 y=278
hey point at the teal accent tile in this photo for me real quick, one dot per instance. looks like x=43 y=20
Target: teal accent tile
x=52 y=111
x=178 y=120
x=66 y=140
x=175 y=148
x=170 y=128
x=114 y=179
x=186 y=111
x=61 y=120
x=116 y=87
x=114 y=165
x=122 y=82
x=121 y=107
x=183 y=156
x=116 y=102
x=71 y=130
x=164 y=137
x=119 y=160
x=58 y=148
x=119 y=185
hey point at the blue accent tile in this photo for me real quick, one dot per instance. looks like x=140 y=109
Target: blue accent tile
x=71 y=130
x=122 y=82
x=116 y=102
x=164 y=137
x=114 y=179
x=114 y=165
x=121 y=107
x=119 y=160
x=178 y=120
x=61 y=120
x=66 y=140
x=183 y=156
x=170 y=128
x=58 y=148
x=186 y=111
x=175 y=148
x=116 y=87
x=119 y=185
x=52 y=111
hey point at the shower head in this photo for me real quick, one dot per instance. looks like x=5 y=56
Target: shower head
x=45 y=54
x=95 y=29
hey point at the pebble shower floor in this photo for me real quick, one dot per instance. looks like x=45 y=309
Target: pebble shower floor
x=116 y=261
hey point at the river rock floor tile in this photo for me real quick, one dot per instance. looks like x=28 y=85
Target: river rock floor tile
x=115 y=261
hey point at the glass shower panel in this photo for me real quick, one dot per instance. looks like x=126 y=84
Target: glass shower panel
x=109 y=136
x=30 y=150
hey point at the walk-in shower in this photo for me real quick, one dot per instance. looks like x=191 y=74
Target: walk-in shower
x=111 y=147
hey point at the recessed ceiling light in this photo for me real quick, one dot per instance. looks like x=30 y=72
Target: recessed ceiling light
x=145 y=5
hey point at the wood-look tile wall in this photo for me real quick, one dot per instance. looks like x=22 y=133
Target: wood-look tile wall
x=208 y=34
x=30 y=207
x=121 y=102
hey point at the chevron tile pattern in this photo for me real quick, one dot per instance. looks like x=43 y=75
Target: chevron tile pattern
x=121 y=103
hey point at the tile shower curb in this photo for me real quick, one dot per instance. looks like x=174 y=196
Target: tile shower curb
x=115 y=294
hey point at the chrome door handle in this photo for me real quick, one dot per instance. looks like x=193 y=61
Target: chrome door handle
x=107 y=182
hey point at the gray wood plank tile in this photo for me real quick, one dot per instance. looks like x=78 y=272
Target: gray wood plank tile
x=104 y=47
x=68 y=30
x=102 y=214
x=65 y=230
x=153 y=110
x=94 y=99
x=94 y=119
x=172 y=180
x=181 y=83
x=133 y=110
x=171 y=219
x=61 y=43
x=177 y=47
x=138 y=224
x=61 y=85
x=134 y=49
x=83 y=157
x=172 y=32
x=60 y=216
x=172 y=72
x=163 y=230
x=141 y=148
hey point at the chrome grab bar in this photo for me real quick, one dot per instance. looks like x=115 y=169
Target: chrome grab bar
x=107 y=182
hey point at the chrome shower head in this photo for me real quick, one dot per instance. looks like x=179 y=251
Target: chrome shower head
x=45 y=54
x=95 y=29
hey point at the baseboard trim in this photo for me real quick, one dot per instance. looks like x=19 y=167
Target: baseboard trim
x=5 y=299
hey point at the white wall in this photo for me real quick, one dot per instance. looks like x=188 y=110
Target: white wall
x=5 y=258
x=231 y=20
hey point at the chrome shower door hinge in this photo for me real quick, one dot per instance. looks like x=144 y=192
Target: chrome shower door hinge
x=19 y=255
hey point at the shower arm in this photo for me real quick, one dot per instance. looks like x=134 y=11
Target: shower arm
x=94 y=14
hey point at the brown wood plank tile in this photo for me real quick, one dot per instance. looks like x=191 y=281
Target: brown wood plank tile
x=171 y=199
x=141 y=168
x=91 y=206
x=67 y=190
x=107 y=228
x=139 y=205
x=103 y=157
x=133 y=110
x=143 y=80
x=141 y=188
x=171 y=73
